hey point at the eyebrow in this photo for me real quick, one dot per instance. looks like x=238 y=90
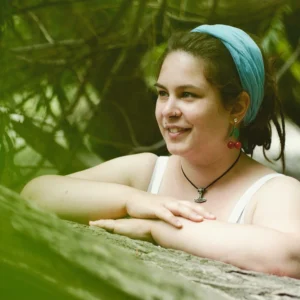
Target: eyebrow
x=185 y=86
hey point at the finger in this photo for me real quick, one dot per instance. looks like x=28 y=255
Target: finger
x=203 y=212
x=200 y=210
x=108 y=225
x=132 y=228
x=120 y=226
x=185 y=211
x=166 y=215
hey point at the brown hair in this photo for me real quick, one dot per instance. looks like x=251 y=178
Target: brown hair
x=220 y=70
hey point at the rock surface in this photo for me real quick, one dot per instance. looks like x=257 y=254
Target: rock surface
x=44 y=257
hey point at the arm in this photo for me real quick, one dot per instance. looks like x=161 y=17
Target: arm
x=99 y=192
x=80 y=200
x=270 y=244
x=111 y=190
x=245 y=246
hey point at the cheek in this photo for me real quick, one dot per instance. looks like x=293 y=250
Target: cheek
x=158 y=112
x=200 y=116
x=210 y=120
x=219 y=124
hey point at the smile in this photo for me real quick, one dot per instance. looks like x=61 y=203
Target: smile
x=175 y=133
x=175 y=130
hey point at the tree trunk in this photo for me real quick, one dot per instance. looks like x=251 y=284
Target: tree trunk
x=44 y=257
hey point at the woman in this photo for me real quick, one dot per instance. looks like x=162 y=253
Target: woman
x=215 y=96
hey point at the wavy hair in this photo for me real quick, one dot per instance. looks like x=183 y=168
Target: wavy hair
x=220 y=70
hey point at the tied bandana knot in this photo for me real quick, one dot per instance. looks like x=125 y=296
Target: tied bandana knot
x=248 y=60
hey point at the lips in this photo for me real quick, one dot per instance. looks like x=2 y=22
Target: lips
x=173 y=127
x=176 y=130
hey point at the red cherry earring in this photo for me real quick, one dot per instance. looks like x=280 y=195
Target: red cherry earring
x=235 y=133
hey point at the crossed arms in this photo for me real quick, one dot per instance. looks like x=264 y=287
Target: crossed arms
x=271 y=243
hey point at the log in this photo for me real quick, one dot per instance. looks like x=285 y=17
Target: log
x=44 y=257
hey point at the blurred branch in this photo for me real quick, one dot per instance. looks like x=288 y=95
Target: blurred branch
x=101 y=141
x=289 y=62
x=16 y=106
x=117 y=17
x=128 y=123
x=133 y=38
x=57 y=62
x=212 y=11
x=84 y=79
x=48 y=45
x=24 y=179
x=150 y=148
x=42 y=122
x=20 y=148
x=43 y=142
x=5 y=15
x=81 y=88
x=46 y=4
x=33 y=167
x=17 y=34
x=47 y=101
x=89 y=100
x=42 y=28
x=71 y=132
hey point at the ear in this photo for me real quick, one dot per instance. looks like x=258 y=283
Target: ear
x=241 y=106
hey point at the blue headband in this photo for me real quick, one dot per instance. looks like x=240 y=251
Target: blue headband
x=248 y=60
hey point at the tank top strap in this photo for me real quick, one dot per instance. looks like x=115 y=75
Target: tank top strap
x=237 y=215
x=158 y=173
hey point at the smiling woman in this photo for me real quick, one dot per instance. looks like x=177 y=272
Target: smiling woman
x=183 y=90
x=216 y=101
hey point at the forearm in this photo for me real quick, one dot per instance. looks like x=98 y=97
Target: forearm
x=78 y=199
x=245 y=246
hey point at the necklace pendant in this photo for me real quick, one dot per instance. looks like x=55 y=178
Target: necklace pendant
x=200 y=199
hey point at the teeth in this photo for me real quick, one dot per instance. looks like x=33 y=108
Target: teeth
x=175 y=130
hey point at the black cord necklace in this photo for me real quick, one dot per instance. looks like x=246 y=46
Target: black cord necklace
x=202 y=190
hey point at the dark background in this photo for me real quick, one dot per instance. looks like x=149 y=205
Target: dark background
x=76 y=85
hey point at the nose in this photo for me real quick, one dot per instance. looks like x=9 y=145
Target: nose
x=171 y=108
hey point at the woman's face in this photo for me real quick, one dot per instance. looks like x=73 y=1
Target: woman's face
x=201 y=123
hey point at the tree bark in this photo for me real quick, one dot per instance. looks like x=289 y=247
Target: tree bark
x=44 y=257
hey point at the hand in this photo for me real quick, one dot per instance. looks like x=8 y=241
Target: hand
x=133 y=228
x=166 y=209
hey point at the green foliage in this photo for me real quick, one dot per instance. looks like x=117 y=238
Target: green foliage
x=77 y=75
x=5 y=15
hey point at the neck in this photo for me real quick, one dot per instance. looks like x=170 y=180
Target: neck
x=203 y=173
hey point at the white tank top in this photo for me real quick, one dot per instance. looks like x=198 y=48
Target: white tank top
x=238 y=213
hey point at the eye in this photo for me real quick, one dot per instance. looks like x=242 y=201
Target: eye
x=162 y=94
x=188 y=95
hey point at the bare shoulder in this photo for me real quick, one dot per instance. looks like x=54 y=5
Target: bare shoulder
x=285 y=186
x=132 y=170
x=278 y=204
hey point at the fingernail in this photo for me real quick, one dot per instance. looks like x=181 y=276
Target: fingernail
x=178 y=224
x=209 y=214
x=197 y=216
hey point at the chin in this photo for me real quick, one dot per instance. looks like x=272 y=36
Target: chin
x=177 y=150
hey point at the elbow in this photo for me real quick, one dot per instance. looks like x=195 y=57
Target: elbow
x=40 y=193
x=28 y=190
x=288 y=269
x=282 y=259
x=34 y=189
x=281 y=268
x=289 y=264
x=291 y=267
